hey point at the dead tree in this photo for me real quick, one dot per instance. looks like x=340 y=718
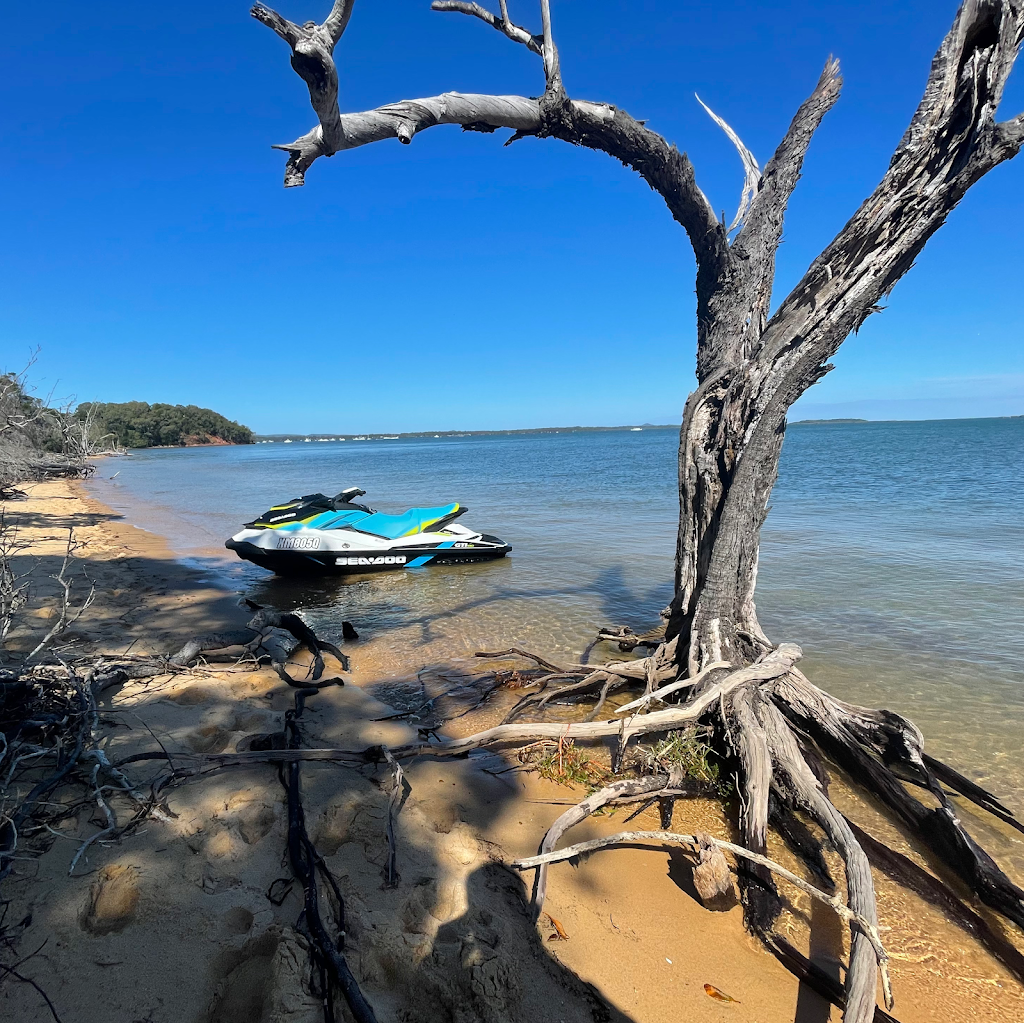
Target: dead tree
x=752 y=364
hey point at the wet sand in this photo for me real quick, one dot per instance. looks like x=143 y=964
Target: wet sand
x=174 y=924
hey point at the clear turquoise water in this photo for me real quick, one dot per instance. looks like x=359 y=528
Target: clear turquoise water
x=893 y=553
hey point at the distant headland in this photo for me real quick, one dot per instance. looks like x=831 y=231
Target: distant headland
x=137 y=424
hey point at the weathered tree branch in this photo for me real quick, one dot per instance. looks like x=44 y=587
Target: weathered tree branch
x=594 y=125
x=552 y=65
x=751 y=170
x=952 y=141
x=312 y=59
x=759 y=237
x=502 y=24
x=337 y=21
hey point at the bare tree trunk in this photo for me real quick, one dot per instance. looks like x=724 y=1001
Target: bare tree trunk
x=751 y=371
x=752 y=365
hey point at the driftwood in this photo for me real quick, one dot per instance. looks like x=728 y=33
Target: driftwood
x=253 y=640
x=753 y=708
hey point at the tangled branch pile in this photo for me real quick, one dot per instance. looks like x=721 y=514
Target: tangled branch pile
x=37 y=441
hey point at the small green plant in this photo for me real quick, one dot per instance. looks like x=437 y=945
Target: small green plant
x=688 y=750
x=563 y=762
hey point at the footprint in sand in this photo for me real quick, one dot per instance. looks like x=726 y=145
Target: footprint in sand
x=113 y=900
x=208 y=739
x=255 y=821
x=263 y=981
x=192 y=696
x=243 y=992
x=237 y=920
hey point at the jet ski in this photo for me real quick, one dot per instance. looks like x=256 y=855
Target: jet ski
x=318 y=535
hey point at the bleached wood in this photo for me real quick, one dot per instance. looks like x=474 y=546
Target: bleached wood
x=674 y=687
x=791 y=766
x=861 y=924
x=751 y=170
x=514 y=32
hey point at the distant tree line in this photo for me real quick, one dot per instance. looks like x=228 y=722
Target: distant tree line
x=137 y=424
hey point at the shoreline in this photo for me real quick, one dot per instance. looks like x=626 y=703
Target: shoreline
x=634 y=908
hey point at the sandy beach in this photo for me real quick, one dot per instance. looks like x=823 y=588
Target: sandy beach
x=186 y=919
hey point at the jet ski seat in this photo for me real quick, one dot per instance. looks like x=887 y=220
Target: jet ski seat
x=415 y=520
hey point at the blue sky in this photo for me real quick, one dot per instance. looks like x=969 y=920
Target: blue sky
x=152 y=253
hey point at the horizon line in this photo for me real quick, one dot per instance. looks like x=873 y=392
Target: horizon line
x=430 y=434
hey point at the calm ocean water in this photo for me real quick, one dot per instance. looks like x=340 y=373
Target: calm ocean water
x=893 y=553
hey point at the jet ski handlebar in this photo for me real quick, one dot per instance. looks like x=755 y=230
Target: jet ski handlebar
x=347 y=495
x=346 y=499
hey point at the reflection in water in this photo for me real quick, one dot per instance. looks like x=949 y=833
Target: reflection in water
x=893 y=553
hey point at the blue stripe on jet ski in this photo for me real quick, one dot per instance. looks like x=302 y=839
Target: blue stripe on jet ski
x=420 y=562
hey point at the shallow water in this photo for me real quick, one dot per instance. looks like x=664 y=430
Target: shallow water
x=893 y=553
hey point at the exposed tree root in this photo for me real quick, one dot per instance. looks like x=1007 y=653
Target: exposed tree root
x=771 y=723
x=619 y=791
x=756 y=709
x=905 y=871
x=863 y=925
x=811 y=974
x=306 y=863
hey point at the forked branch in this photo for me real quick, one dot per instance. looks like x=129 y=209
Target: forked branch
x=782 y=171
x=514 y=32
x=953 y=140
x=337 y=21
x=312 y=47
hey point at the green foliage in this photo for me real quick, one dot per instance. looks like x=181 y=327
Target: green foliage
x=137 y=424
x=563 y=762
x=686 y=749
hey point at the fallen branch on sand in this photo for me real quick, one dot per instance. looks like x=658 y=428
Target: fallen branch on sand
x=326 y=952
x=696 y=842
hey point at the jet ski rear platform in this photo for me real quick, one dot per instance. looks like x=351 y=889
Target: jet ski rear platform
x=318 y=535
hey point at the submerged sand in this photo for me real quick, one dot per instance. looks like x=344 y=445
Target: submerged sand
x=174 y=922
